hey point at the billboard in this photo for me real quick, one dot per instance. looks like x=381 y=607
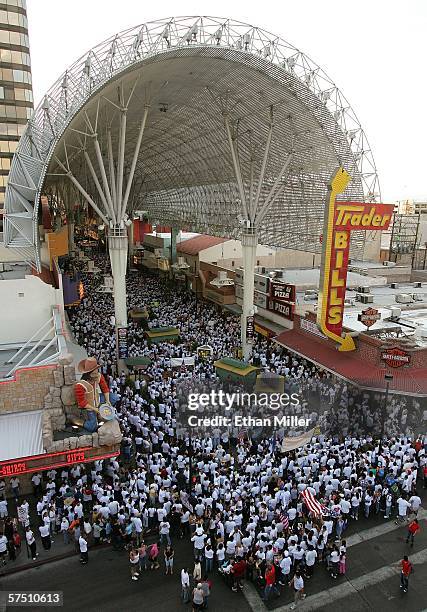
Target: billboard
x=341 y=218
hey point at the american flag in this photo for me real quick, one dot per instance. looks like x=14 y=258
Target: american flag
x=284 y=520
x=314 y=506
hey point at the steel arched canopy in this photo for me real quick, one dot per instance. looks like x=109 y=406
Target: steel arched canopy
x=191 y=75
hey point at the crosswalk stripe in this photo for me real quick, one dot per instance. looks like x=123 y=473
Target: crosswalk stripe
x=354 y=587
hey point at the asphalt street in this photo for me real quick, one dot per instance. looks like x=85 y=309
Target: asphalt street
x=372 y=581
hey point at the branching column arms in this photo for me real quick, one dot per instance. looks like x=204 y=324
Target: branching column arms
x=121 y=163
x=274 y=193
x=236 y=164
x=98 y=186
x=254 y=205
x=134 y=159
x=82 y=191
x=110 y=204
x=111 y=167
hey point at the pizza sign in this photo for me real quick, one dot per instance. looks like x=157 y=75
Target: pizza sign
x=396 y=357
x=369 y=316
x=282 y=292
x=284 y=309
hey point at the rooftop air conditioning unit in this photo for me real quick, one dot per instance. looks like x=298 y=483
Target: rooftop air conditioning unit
x=417 y=285
x=222 y=280
x=421 y=332
x=349 y=302
x=366 y=299
x=181 y=264
x=364 y=289
x=310 y=294
x=395 y=312
x=394 y=285
x=404 y=298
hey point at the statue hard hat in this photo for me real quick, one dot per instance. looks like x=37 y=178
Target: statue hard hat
x=87 y=365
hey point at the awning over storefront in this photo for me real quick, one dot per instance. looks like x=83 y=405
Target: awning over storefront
x=20 y=434
x=362 y=373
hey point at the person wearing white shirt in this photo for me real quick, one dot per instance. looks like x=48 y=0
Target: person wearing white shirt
x=415 y=502
x=3 y=508
x=65 y=524
x=3 y=548
x=185 y=585
x=403 y=506
x=84 y=556
x=310 y=560
x=199 y=542
x=45 y=536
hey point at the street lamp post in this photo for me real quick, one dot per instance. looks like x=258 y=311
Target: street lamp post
x=388 y=379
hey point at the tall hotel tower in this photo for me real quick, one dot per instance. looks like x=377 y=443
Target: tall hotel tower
x=16 y=95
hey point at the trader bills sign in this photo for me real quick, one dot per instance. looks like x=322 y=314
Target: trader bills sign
x=341 y=218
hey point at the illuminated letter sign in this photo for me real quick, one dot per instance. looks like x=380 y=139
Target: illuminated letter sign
x=340 y=219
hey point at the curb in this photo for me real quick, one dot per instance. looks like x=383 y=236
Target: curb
x=40 y=562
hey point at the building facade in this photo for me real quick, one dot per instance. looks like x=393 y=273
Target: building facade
x=16 y=95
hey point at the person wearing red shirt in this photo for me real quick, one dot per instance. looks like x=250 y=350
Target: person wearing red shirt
x=270 y=581
x=413 y=528
x=406 y=569
x=238 y=571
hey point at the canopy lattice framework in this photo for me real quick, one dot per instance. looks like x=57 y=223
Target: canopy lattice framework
x=208 y=88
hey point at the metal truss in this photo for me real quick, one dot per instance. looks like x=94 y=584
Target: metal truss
x=204 y=123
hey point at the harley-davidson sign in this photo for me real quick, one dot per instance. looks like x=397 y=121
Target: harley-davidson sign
x=396 y=357
x=369 y=316
x=281 y=292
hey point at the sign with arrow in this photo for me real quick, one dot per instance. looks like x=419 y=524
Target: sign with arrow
x=340 y=219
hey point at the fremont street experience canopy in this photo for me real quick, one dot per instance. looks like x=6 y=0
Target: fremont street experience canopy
x=205 y=123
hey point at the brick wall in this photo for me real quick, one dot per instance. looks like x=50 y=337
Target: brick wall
x=28 y=390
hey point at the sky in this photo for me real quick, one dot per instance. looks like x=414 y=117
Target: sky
x=374 y=50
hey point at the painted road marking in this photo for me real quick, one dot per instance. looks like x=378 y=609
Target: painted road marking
x=324 y=597
x=347 y=589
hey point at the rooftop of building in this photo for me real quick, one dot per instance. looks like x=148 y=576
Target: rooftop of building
x=199 y=243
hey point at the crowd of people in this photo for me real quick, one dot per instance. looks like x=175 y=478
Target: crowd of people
x=239 y=501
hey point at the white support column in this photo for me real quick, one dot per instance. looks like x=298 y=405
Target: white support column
x=118 y=250
x=131 y=243
x=249 y=246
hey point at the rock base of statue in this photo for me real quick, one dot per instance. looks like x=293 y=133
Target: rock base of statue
x=109 y=433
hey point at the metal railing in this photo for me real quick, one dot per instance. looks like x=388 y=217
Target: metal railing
x=28 y=356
